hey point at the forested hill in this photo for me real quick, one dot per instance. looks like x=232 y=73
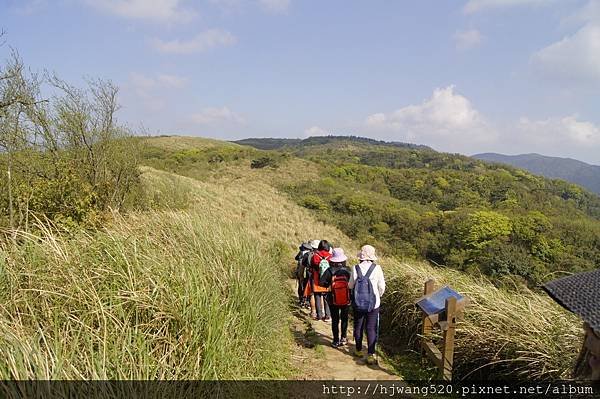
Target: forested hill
x=277 y=143
x=568 y=169
x=450 y=209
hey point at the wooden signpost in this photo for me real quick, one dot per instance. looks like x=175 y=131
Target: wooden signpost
x=440 y=310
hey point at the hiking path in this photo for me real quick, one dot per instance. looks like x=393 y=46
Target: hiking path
x=317 y=359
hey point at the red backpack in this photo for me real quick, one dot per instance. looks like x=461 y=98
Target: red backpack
x=339 y=290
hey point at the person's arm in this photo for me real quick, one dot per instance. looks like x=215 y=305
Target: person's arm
x=352 y=278
x=380 y=281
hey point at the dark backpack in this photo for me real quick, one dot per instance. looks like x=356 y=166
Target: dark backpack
x=340 y=293
x=364 y=295
x=305 y=262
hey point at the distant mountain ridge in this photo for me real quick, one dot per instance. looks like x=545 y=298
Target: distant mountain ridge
x=277 y=143
x=572 y=170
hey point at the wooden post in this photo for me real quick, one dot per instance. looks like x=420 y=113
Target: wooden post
x=448 y=352
x=427 y=325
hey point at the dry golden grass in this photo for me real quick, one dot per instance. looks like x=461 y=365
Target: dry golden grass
x=249 y=202
x=177 y=143
x=505 y=334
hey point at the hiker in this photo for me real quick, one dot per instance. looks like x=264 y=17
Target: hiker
x=368 y=286
x=308 y=277
x=319 y=263
x=337 y=278
x=579 y=293
x=301 y=275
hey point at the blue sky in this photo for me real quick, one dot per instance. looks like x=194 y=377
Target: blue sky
x=510 y=76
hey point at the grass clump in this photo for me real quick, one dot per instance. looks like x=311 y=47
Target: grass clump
x=504 y=335
x=168 y=295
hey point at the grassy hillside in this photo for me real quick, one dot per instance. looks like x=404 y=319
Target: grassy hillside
x=161 y=294
x=194 y=286
x=193 y=291
x=507 y=332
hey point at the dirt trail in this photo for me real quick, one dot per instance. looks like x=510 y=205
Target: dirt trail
x=318 y=360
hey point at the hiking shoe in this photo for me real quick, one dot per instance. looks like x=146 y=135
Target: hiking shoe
x=343 y=342
x=335 y=344
x=371 y=359
x=358 y=353
x=326 y=319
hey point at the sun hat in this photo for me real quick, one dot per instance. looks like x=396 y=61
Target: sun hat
x=579 y=293
x=315 y=244
x=338 y=255
x=367 y=252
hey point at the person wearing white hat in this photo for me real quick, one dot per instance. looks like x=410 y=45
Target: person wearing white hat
x=367 y=271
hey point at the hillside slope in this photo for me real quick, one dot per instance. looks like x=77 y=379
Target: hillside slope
x=507 y=333
x=568 y=169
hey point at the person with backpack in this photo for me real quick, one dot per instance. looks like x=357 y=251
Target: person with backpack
x=301 y=276
x=320 y=263
x=337 y=277
x=308 y=277
x=368 y=285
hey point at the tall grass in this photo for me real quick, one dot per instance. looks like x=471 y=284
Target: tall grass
x=191 y=292
x=519 y=335
x=157 y=295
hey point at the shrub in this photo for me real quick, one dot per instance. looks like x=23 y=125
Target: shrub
x=314 y=202
x=66 y=159
x=264 y=162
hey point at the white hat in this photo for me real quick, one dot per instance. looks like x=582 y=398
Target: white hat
x=367 y=252
x=315 y=244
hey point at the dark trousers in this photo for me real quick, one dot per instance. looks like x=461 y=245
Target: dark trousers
x=301 y=286
x=370 y=322
x=338 y=313
x=302 y=283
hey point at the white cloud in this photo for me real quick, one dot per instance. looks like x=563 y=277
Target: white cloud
x=171 y=81
x=141 y=81
x=446 y=120
x=564 y=132
x=315 y=131
x=152 y=10
x=270 y=6
x=162 y=81
x=275 y=6
x=149 y=91
x=474 y=6
x=202 y=42
x=467 y=39
x=574 y=58
x=217 y=116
